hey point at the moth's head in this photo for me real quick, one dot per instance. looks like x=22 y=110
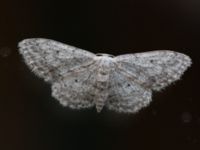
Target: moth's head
x=103 y=54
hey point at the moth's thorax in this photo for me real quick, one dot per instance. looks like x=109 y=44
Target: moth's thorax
x=105 y=60
x=105 y=66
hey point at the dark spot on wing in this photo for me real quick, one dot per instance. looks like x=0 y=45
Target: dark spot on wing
x=151 y=60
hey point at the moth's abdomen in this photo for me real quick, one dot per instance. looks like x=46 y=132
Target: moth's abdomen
x=101 y=88
x=100 y=94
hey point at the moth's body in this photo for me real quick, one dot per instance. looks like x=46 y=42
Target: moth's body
x=105 y=65
x=81 y=79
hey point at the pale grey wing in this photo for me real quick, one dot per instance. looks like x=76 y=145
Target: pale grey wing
x=155 y=69
x=125 y=95
x=76 y=89
x=50 y=59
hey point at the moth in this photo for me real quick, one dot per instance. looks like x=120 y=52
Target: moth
x=81 y=79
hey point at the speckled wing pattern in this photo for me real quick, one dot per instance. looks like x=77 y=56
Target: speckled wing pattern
x=50 y=59
x=137 y=75
x=78 y=76
x=154 y=69
x=67 y=68
x=126 y=95
x=75 y=90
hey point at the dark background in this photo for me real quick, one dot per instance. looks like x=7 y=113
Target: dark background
x=30 y=119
